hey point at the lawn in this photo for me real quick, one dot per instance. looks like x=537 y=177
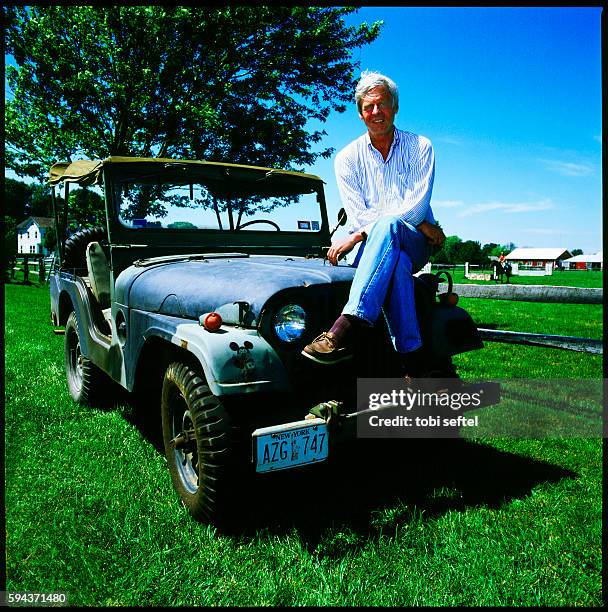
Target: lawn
x=90 y=509
x=571 y=278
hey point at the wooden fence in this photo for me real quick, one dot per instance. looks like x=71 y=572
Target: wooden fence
x=33 y=262
x=535 y=293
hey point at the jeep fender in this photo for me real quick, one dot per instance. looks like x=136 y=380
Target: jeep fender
x=234 y=360
x=70 y=293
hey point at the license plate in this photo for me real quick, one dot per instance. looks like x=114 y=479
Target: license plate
x=286 y=446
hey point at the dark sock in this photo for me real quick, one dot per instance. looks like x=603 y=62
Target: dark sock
x=344 y=325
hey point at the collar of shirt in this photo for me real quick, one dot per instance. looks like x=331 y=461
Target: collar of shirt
x=375 y=151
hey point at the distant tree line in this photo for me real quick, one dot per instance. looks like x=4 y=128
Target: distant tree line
x=458 y=251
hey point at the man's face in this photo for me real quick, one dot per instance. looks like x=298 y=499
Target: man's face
x=377 y=111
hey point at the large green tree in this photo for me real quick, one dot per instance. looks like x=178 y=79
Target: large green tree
x=9 y=233
x=86 y=209
x=22 y=200
x=233 y=83
x=470 y=250
x=448 y=253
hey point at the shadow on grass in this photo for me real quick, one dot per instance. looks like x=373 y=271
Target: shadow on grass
x=402 y=478
x=371 y=487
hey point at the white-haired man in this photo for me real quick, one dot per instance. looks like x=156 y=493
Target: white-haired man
x=385 y=179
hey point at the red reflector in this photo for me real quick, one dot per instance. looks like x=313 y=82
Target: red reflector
x=448 y=299
x=211 y=321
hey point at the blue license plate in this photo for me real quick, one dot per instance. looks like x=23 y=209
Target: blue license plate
x=290 y=445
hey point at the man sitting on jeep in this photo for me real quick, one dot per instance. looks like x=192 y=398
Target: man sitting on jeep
x=385 y=178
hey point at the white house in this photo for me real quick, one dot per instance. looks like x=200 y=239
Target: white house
x=30 y=235
x=585 y=262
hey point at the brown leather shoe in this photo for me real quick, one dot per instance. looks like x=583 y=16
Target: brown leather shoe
x=324 y=349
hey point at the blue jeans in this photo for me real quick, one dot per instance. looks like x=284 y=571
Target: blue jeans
x=393 y=251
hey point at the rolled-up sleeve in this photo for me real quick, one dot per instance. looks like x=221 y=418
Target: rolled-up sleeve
x=416 y=205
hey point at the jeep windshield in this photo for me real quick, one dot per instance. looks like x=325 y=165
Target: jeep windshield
x=176 y=197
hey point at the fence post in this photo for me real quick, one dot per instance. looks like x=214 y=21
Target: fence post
x=41 y=271
x=26 y=269
x=466 y=269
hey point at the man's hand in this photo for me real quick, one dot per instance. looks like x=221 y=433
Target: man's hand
x=433 y=233
x=342 y=247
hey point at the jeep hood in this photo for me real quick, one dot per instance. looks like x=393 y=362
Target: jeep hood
x=191 y=288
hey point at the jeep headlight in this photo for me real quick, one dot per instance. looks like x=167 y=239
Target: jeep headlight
x=289 y=323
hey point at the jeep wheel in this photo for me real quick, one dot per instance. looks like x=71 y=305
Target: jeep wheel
x=200 y=444
x=85 y=380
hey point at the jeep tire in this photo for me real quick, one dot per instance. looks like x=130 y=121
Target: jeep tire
x=85 y=379
x=75 y=248
x=201 y=445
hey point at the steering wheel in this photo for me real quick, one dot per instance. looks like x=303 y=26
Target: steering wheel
x=259 y=221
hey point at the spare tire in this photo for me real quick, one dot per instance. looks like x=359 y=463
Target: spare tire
x=74 y=252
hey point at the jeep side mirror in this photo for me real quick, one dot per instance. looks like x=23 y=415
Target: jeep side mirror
x=341 y=221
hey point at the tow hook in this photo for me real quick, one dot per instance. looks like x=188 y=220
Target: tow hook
x=329 y=411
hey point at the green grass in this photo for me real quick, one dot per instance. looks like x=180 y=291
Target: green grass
x=553 y=395
x=570 y=278
x=499 y=360
x=90 y=508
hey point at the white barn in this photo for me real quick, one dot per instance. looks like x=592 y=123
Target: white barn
x=30 y=235
x=538 y=256
x=537 y=261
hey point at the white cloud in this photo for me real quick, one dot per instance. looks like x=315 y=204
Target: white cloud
x=567 y=168
x=449 y=140
x=446 y=203
x=546 y=231
x=561 y=231
x=507 y=207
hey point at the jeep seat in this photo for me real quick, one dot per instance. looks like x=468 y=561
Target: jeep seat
x=99 y=274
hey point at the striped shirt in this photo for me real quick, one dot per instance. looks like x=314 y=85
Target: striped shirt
x=371 y=187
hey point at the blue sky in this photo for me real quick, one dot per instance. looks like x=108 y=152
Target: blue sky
x=511 y=99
